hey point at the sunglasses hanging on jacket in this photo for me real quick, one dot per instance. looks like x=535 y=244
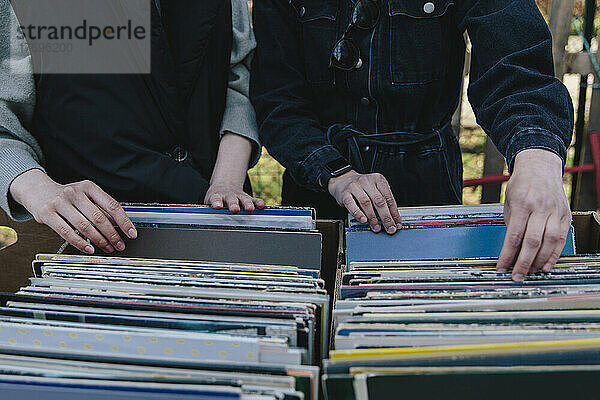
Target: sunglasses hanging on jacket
x=346 y=54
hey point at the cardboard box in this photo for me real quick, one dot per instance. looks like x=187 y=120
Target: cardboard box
x=587 y=232
x=15 y=260
x=333 y=251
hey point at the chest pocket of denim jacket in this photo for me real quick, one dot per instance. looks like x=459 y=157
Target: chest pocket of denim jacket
x=419 y=33
x=319 y=30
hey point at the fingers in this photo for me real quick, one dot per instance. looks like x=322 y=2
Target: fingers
x=234 y=198
x=65 y=231
x=84 y=226
x=110 y=219
x=233 y=203
x=553 y=242
x=368 y=198
x=238 y=201
x=111 y=207
x=515 y=231
x=216 y=201
x=384 y=187
x=350 y=203
x=565 y=226
x=364 y=202
x=542 y=239
x=247 y=202
x=381 y=205
x=532 y=242
x=259 y=203
x=97 y=218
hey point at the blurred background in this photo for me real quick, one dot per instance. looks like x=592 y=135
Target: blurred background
x=7 y=236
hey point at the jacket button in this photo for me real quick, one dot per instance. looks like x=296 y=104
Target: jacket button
x=429 y=7
x=365 y=101
x=302 y=12
x=179 y=154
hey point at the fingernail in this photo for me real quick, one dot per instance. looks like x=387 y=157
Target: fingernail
x=363 y=220
x=120 y=246
x=109 y=249
x=89 y=249
x=518 y=277
x=132 y=234
x=391 y=230
x=376 y=228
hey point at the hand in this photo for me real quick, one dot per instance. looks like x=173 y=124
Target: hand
x=232 y=196
x=536 y=213
x=362 y=195
x=81 y=205
x=229 y=175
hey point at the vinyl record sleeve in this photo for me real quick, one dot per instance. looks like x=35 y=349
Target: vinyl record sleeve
x=431 y=243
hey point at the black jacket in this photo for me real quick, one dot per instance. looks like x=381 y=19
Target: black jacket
x=127 y=132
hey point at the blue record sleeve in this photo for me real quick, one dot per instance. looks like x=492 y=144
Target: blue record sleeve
x=431 y=243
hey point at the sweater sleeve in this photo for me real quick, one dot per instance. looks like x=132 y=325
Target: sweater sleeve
x=19 y=151
x=239 y=117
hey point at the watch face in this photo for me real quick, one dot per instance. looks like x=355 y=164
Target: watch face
x=338 y=167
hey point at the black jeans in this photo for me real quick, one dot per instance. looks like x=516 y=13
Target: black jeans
x=421 y=168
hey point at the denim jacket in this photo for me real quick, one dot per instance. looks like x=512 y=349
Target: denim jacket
x=410 y=77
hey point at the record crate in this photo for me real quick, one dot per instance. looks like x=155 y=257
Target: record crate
x=34 y=238
x=587 y=232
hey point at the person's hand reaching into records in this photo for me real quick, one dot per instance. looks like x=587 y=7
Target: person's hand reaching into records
x=367 y=196
x=230 y=172
x=80 y=206
x=536 y=213
x=231 y=196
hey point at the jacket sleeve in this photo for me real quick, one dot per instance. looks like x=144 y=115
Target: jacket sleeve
x=513 y=91
x=288 y=127
x=239 y=117
x=19 y=151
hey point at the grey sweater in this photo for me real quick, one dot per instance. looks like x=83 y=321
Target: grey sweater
x=20 y=152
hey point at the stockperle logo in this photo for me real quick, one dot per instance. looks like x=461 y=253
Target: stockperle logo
x=83 y=36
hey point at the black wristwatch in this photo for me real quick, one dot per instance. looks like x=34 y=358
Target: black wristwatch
x=333 y=169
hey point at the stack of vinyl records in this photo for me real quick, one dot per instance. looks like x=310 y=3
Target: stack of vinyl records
x=140 y=328
x=434 y=233
x=274 y=235
x=164 y=215
x=435 y=329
